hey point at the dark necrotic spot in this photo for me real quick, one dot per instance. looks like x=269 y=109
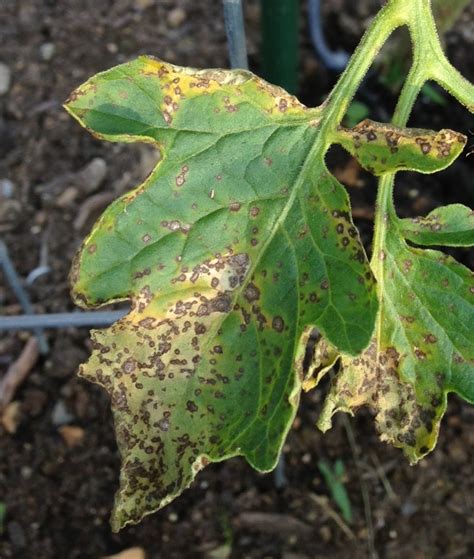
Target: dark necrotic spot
x=163 y=424
x=129 y=365
x=191 y=406
x=252 y=293
x=278 y=323
x=221 y=303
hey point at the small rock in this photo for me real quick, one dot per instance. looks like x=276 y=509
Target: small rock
x=11 y=417
x=5 y=78
x=72 y=435
x=112 y=48
x=26 y=472
x=176 y=17
x=92 y=175
x=149 y=158
x=408 y=508
x=131 y=553
x=60 y=415
x=67 y=197
x=6 y=188
x=47 y=51
x=325 y=533
x=224 y=551
x=144 y=4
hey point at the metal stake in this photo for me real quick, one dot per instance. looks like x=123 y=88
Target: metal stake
x=235 y=30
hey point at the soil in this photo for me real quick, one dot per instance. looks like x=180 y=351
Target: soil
x=58 y=483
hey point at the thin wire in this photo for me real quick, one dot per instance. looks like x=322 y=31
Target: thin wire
x=61 y=320
x=235 y=30
x=333 y=60
x=20 y=293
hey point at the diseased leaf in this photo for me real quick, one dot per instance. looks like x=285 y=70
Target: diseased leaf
x=383 y=148
x=423 y=347
x=451 y=225
x=240 y=243
x=235 y=247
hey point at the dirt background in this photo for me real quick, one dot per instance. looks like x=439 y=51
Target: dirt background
x=58 y=483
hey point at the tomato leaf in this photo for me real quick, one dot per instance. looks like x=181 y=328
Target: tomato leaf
x=238 y=243
x=383 y=148
x=423 y=346
x=451 y=225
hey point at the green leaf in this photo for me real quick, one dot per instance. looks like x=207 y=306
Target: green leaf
x=451 y=225
x=356 y=112
x=334 y=478
x=235 y=247
x=423 y=346
x=383 y=148
x=3 y=513
x=434 y=95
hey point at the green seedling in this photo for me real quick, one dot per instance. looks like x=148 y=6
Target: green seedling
x=334 y=478
x=356 y=112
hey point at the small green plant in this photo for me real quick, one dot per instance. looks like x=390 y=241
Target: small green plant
x=241 y=242
x=334 y=478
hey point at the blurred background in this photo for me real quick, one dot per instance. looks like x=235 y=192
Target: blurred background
x=344 y=494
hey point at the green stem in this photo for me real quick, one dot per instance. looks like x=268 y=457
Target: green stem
x=426 y=49
x=385 y=214
x=390 y=17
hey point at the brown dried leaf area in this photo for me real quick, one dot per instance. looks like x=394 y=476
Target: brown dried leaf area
x=404 y=418
x=185 y=378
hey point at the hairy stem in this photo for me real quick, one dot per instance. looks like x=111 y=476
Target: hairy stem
x=388 y=19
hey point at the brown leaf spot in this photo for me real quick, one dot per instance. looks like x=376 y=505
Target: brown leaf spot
x=191 y=406
x=235 y=206
x=252 y=293
x=163 y=424
x=278 y=323
x=430 y=339
x=129 y=365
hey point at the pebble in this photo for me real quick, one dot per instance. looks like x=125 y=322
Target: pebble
x=5 y=78
x=11 y=417
x=176 y=17
x=47 y=51
x=408 y=508
x=60 y=415
x=131 y=553
x=90 y=177
x=6 y=188
x=72 y=435
x=67 y=197
x=144 y=4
